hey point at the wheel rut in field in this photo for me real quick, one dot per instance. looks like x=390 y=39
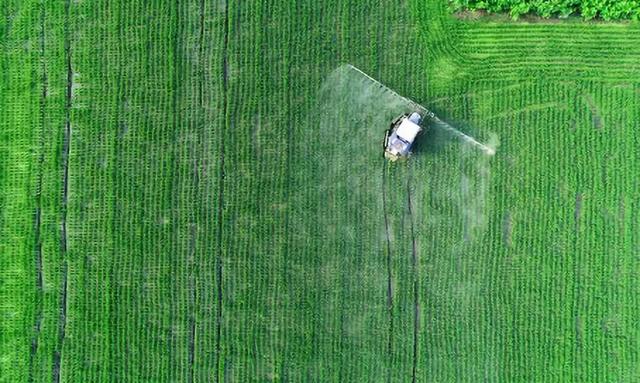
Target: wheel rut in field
x=193 y=240
x=414 y=265
x=287 y=195
x=577 y=211
x=38 y=210
x=57 y=356
x=39 y=282
x=192 y=336
x=219 y=215
x=175 y=182
x=389 y=276
x=192 y=294
x=507 y=229
x=596 y=116
x=66 y=148
x=115 y=294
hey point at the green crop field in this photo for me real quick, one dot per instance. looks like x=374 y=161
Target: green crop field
x=195 y=191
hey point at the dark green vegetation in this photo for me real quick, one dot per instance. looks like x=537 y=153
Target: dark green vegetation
x=589 y=9
x=173 y=205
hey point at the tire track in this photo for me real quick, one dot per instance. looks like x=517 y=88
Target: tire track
x=389 y=276
x=192 y=300
x=116 y=221
x=225 y=96
x=175 y=187
x=192 y=296
x=39 y=293
x=196 y=181
x=414 y=265
x=287 y=193
x=62 y=320
x=38 y=210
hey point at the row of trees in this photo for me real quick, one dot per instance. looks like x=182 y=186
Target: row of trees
x=588 y=9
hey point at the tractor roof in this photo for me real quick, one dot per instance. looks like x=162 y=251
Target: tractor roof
x=408 y=130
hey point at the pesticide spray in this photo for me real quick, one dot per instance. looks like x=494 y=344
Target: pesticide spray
x=354 y=112
x=435 y=208
x=427 y=113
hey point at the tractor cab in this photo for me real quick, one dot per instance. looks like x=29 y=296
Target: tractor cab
x=401 y=136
